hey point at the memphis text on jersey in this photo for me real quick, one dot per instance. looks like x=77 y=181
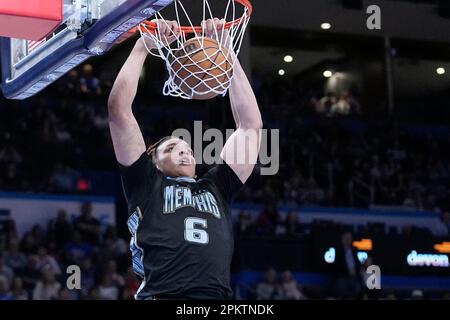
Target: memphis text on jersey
x=176 y=197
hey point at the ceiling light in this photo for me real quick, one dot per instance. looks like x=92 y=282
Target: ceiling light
x=440 y=70
x=327 y=73
x=325 y=26
x=288 y=58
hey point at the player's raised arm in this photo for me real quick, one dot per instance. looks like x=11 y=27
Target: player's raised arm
x=125 y=132
x=242 y=148
x=126 y=135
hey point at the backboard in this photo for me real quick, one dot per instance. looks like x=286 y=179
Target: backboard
x=88 y=28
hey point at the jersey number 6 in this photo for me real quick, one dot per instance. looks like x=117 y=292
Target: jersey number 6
x=192 y=234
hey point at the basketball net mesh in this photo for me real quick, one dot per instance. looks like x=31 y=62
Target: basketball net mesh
x=175 y=54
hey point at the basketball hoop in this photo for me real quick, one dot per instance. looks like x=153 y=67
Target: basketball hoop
x=229 y=37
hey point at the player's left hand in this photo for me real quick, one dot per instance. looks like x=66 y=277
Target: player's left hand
x=214 y=28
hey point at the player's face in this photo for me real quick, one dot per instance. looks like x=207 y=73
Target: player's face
x=175 y=158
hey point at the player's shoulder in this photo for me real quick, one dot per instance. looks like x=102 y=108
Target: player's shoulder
x=142 y=161
x=222 y=170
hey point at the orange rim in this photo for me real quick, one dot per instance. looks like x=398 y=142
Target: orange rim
x=152 y=26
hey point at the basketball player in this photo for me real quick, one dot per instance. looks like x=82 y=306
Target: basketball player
x=182 y=241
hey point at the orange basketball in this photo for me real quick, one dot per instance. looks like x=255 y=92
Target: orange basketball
x=201 y=65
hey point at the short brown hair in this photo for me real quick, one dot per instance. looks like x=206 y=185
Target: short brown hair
x=151 y=150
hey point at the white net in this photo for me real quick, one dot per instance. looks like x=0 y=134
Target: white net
x=199 y=67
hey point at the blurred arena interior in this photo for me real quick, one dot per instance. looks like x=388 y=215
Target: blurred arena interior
x=364 y=172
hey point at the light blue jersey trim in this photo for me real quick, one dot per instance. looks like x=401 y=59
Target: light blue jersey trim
x=137 y=253
x=182 y=179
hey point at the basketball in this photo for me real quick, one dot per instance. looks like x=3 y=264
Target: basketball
x=200 y=67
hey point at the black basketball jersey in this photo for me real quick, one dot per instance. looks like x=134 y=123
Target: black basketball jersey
x=182 y=240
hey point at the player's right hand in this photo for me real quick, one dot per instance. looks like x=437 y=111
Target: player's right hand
x=167 y=32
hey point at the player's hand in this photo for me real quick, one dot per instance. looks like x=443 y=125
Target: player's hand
x=214 y=28
x=167 y=32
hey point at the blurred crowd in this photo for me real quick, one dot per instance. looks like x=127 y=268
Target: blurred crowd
x=330 y=155
x=351 y=159
x=271 y=223
x=340 y=160
x=284 y=240
x=327 y=162
x=276 y=285
x=33 y=266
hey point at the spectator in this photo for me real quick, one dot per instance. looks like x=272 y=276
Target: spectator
x=132 y=284
x=280 y=226
x=62 y=135
x=269 y=288
x=31 y=274
x=76 y=249
x=417 y=294
x=9 y=233
x=48 y=288
x=88 y=278
x=119 y=246
x=100 y=119
x=9 y=155
x=17 y=290
x=63 y=178
x=28 y=244
x=116 y=278
x=60 y=229
x=70 y=83
x=46 y=261
x=244 y=224
x=107 y=251
x=87 y=225
x=66 y=294
x=5 y=271
x=107 y=289
x=442 y=228
x=14 y=258
x=347 y=269
x=267 y=220
x=346 y=105
x=12 y=179
x=89 y=83
x=293 y=226
x=94 y=294
x=325 y=104
x=4 y=289
x=291 y=288
x=38 y=235
x=390 y=296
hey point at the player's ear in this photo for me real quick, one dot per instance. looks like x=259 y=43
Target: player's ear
x=151 y=152
x=156 y=163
